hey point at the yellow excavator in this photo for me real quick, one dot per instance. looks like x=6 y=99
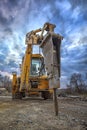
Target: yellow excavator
x=39 y=73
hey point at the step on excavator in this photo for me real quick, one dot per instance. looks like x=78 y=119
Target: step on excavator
x=39 y=73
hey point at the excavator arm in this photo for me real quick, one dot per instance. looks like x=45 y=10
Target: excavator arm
x=25 y=70
x=50 y=45
x=31 y=39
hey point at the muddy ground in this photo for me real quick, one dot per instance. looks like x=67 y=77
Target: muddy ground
x=38 y=114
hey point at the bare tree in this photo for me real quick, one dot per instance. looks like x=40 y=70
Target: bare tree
x=5 y=82
x=77 y=83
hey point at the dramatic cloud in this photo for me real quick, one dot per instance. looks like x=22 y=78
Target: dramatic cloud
x=17 y=17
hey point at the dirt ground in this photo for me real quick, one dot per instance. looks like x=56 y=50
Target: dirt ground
x=38 y=114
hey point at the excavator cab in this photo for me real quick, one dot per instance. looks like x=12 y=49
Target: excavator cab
x=38 y=79
x=37 y=65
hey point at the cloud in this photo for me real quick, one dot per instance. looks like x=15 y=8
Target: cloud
x=17 y=17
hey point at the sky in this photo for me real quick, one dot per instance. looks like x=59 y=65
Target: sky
x=17 y=17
